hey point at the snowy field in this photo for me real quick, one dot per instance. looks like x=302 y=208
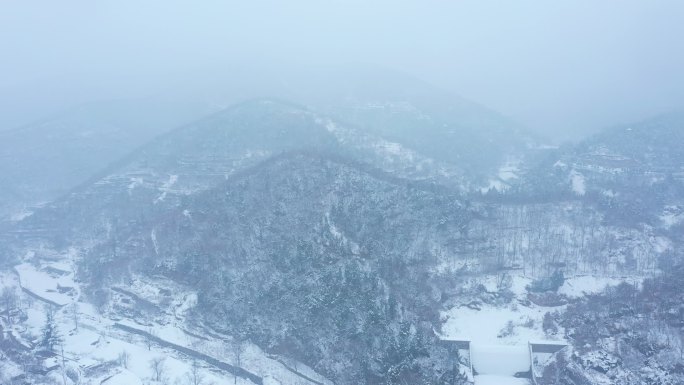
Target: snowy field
x=502 y=360
x=107 y=355
x=488 y=324
x=54 y=287
x=500 y=380
x=500 y=335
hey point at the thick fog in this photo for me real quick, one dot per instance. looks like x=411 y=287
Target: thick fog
x=563 y=68
x=341 y=192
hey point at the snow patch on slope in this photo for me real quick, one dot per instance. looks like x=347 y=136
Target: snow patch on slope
x=509 y=171
x=339 y=235
x=41 y=284
x=577 y=287
x=135 y=182
x=578 y=182
x=672 y=216
x=166 y=188
x=21 y=215
x=494 y=185
x=153 y=237
x=124 y=377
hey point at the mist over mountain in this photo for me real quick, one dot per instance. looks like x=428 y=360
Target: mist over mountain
x=64 y=150
x=45 y=159
x=240 y=205
x=341 y=193
x=425 y=118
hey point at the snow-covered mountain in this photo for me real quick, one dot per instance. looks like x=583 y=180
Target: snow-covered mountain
x=421 y=117
x=289 y=185
x=44 y=160
x=335 y=249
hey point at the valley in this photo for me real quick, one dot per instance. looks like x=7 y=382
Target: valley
x=271 y=244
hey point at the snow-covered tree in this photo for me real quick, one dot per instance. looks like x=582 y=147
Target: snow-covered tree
x=9 y=301
x=238 y=346
x=50 y=336
x=74 y=309
x=123 y=358
x=195 y=376
x=157 y=364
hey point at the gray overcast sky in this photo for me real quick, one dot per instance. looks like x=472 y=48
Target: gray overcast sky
x=562 y=67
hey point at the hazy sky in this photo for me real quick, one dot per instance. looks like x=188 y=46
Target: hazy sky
x=561 y=66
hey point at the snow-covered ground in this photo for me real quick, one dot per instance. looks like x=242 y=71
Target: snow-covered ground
x=672 y=215
x=20 y=215
x=502 y=360
x=494 y=185
x=508 y=172
x=500 y=380
x=105 y=354
x=92 y=341
x=57 y=286
x=578 y=183
x=487 y=324
x=576 y=287
x=500 y=335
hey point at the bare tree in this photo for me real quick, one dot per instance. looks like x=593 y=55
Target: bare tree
x=680 y=345
x=158 y=367
x=123 y=359
x=195 y=376
x=63 y=366
x=9 y=301
x=103 y=335
x=148 y=338
x=74 y=309
x=238 y=347
x=28 y=302
x=503 y=281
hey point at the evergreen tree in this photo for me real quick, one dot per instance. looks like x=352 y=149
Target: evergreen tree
x=50 y=334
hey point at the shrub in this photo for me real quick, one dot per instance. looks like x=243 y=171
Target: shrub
x=552 y=283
